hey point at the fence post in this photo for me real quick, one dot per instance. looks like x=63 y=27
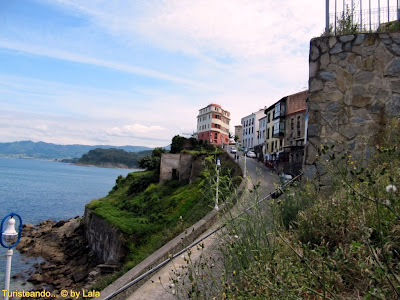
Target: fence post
x=327 y=17
x=398 y=12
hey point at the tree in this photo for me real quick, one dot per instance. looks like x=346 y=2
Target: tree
x=152 y=162
x=178 y=143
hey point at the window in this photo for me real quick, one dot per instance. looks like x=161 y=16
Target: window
x=277 y=110
x=298 y=133
x=292 y=123
x=267 y=133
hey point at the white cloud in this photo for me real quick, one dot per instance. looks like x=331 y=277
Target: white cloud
x=244 y=54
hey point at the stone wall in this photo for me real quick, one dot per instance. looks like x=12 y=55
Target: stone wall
x=175 y=166
x=354 y=89
x=104 y=240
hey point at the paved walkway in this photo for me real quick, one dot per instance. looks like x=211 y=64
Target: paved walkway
x=159 y=286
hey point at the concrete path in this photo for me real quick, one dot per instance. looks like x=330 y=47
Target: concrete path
x=159 y=286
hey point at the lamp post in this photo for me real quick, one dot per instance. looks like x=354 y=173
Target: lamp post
x=245 y=171
x=9 y=239
x=216 y=194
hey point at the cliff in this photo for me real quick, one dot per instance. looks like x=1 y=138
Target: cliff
x=105 y=240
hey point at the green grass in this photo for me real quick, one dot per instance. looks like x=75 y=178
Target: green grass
x=149 y=214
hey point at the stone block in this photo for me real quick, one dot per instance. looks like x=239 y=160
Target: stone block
x=347 y=47
x=343 y=55
x=344 y=80
x=336 y=96
x=396 y=49
x=361 y=101
x=314 y=53
x=349 y=131
x=383 y=36
x=376 y=108
x=368 y=63
x=393 y=107
x=332 y=41
x=313 y=68
x=352 y=69
x=324 y=61
x=333 y=107
x=327 y=75
x=357 y=121
x=359 y=90
x=359 y=39
x=315 y=85
x=363 y=77
x=395 y=86
x=393 y=69
x=357 y=49
x=346 y=38
x=338 y=48
x=395 y=37
x=313 y=130
x=370 y=40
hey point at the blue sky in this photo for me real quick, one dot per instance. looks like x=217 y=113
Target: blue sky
x=136 y=72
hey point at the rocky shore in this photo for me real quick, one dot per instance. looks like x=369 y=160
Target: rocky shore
x=68 y=263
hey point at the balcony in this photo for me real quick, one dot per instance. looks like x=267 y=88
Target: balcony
x=278 y=133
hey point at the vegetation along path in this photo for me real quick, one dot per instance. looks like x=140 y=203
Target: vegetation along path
x=160 y=286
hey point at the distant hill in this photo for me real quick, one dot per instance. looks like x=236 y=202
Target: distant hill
x=42 y=150
x=113 y=158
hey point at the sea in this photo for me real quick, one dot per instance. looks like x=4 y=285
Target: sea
x=39 y=190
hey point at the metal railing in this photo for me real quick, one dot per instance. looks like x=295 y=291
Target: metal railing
x=359 y=15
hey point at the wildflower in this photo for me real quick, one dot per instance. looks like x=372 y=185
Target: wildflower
x=171 y=285
x=236 y=236
x=391 y=188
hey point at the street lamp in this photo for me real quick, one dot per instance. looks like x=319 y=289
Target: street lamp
x=244 y=173
x=216 y=194
x=9 y=239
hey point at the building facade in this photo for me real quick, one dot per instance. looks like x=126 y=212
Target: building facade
x=213 y=125
x=250 y=125
x=239 y=133
x=295 y=131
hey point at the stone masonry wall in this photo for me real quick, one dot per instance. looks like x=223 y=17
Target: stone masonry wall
x=181 y=163
x=354 y=89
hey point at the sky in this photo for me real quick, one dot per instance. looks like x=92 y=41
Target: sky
x=120 y=72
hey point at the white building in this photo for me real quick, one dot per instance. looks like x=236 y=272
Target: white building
x=250 y=125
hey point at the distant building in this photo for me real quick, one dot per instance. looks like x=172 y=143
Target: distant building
x=213 y=125
x=239 y=133
x=250 y=129
x=284 y=144
x=295 y=131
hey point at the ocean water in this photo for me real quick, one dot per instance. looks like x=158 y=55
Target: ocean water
x=39 y=190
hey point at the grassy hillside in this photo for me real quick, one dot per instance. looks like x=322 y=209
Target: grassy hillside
x=150 y=214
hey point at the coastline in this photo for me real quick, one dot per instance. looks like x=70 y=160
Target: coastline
x=66 y=261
